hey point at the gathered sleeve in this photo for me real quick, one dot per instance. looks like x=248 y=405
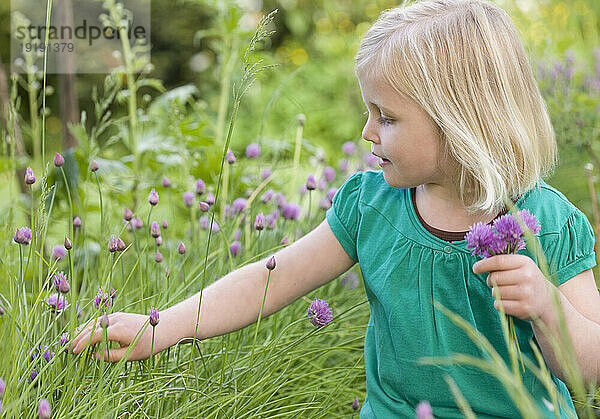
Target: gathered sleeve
x=573 y=249
x=343 y=216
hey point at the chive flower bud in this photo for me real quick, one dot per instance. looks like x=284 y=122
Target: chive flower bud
x=235 y=248
x=154 y=317
x=58 y=252
x=181 y=248
x=311 y=183
x=159 y=241
x=164 y=224
x=230 y=157
x=424 y=410
x=154 y=229
x=204 y=207
x=2 y=387
x=76 y=222
x=259 y=222
x=29 y=176
x=271 y=263
x=200 y=187
x=68 y=243
x=127 y=214
x=93 y=165
x=210 y=198
x=23 y=236
x=165 y=182
x=120 y=245
x=64 y=342
x=355 y=404
x=153 y=197
x=158 y=257
x=112 y=243
x=61 y=284
x=59 y=160
x=188 y=198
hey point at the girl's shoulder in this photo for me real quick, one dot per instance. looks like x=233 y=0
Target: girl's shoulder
x=550 y=206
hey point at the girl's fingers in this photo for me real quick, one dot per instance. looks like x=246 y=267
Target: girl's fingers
x=116 y=354
x=84 y=339
x=509 y=292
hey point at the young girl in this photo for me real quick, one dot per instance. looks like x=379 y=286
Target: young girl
x=459 y=125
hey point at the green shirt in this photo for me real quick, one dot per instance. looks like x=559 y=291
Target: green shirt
x=405 y=268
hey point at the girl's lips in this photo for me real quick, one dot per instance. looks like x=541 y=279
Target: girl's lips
x=383 y=162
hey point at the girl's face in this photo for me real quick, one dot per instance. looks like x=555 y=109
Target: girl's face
x=403 y=136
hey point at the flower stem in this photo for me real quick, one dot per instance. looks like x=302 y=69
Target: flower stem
x=152 y=349
x=258 y=325
x=101 y=210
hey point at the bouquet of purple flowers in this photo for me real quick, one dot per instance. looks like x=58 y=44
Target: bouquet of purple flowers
x=504 y=236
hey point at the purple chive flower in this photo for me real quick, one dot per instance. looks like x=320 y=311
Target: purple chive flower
x=112 y=243
x=210 y=198
x=93 y=165
x=322 y=185
x=166 y=182
x=1 y=309
x=239 y=204
x=44 y=411
x=271 y=263
x=259 y=223
x=167 y=273
x=188 y=198
x=530 y=221
x=58 y=252
x=253 y=151
x=204 y=222
x=329 y=174
x=154 y=229
x=280 y=200
x=284 y=240
x=324 y=204
x=311 y=183
x=238 y=234
x=204 y=207
x=159 y=241
x=200 y=187
x=120 y=245
x=68 y=243
x=127 y=214
x=23 y=236
x=355 y=404
x=64 y=342
x=291 y=211
x=266 y=172
x=350 y=280
x=479 y=238
x=137 y=223
x=48 y=355
x=154 y=317
x=76 y=222
x=320 y=313
x=348 y=148
x=509 y=233
x=235 y=248
x=181 y=248
x=230 y=157
x=270 y=221
x=29 y=176
x=56 y=303
x=424 y=410
x=267 y=196
x=59 y=160
x=153 y=197
x=33 y=375
x=158 y=257
x=343 y=165
x=215 y=227
x=103 y=299
x=61 y=284
x=164 y=224
x=331 y=193
x=2 y=387
x=371 y=160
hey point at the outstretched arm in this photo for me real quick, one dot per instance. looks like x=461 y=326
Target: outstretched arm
x=233 y=301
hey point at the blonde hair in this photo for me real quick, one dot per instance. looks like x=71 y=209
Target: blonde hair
x=463 y=62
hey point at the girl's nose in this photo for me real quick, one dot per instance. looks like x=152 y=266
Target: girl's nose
x=369 y=135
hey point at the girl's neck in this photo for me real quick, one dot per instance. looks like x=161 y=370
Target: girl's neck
x=444 y=211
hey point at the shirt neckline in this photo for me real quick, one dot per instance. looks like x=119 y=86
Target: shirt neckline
x=447 y=237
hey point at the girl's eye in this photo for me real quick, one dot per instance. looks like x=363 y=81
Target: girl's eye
x=384 y=121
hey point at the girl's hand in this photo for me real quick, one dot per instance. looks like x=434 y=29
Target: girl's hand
x=122 y=328
x=524 y=291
